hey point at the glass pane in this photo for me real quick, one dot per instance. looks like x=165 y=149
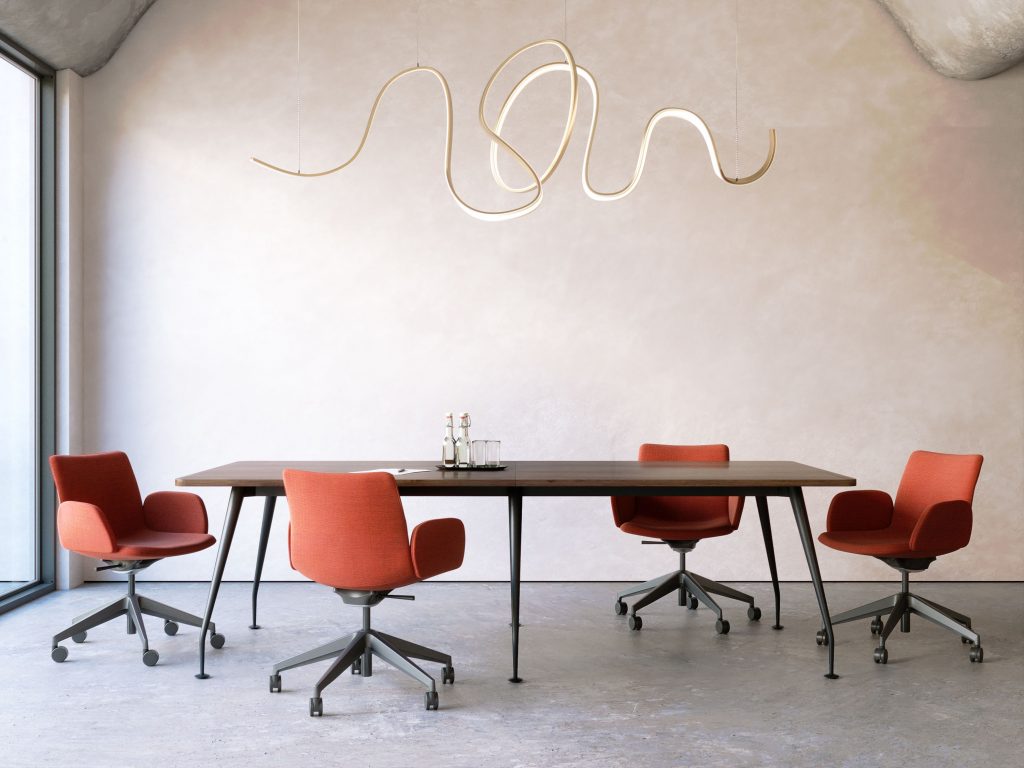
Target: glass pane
x=18 y=519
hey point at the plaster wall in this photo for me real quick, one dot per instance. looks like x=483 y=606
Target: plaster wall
x=862 y=300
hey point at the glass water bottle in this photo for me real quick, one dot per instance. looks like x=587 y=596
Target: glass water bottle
x=448 y=454
x=462 y=443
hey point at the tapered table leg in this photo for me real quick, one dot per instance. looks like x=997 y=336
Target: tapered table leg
x=796 y=498
x=261 y=553
x=769 y=548
x=223 y=547
x=515 y=551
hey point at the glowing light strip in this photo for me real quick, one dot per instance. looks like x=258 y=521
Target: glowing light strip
x=662 y=114
x=576 y=73
x=511 y=213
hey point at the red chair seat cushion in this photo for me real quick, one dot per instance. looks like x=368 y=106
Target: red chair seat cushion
x=145 y=544
x=657 y=527
x=679 y=518
x=886 y=542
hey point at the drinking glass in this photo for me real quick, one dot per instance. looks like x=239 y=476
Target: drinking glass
x=492 y=453
x=478 y=453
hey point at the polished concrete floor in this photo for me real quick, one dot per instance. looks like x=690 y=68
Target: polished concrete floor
x=595 y=694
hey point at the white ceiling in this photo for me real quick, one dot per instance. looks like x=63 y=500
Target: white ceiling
x=966 y=39
x=71 y=34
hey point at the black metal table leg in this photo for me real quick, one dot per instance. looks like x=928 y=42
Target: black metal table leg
x=223 y=547
x=261 y=553
x=796 y=498
x=515 y=551
x=769 y=548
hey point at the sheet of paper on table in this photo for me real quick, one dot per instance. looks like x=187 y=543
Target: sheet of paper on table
x=392 y=471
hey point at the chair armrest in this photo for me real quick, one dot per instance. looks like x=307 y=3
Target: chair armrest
x=623 y=509
x=859 y=511
x=83 y=527
x=175 y=512
x=944 y=527
x=437 y=546
x=735 y=510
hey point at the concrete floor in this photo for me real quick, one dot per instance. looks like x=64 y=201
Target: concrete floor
x=596 y=694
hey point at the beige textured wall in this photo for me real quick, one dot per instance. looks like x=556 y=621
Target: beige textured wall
x=863 y=300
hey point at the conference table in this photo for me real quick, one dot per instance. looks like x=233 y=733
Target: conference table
x=521 y=479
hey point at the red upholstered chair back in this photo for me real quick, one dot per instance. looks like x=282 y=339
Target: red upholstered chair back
x=348 y=530
x=685 y=508
x=103 y=479
x=933 y=477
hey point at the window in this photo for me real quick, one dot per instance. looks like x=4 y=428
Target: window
x=26 y=326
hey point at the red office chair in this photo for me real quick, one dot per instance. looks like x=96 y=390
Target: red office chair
x=348 y=531
x=681 y=522
x=931 y=516
x=102 y=515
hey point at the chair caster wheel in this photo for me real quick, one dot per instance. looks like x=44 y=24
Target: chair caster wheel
x=754 y=614
x=150 y=658
x=620 y=608
x=881 y=655
x=821 y=637
x=275 y=683
x=448 y=676
x=876 y=625
x=357 y=666
x=80 y=637
x=977 y=655
x=431 y=700
x=316 y=707
x=693 y=603
x=722 y=627
x=170 y=628
x=635 y=623
x=59 y=654
x=216 y=640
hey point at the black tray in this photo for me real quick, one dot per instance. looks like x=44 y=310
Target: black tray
x=498 y=468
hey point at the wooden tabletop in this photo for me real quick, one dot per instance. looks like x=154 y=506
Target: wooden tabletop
x=267 y=474
x=538 y=477
x=674 y=474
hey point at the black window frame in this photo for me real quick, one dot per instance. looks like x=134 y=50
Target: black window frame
x=45 y=324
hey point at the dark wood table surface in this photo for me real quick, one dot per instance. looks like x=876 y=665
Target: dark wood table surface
x=540 y=474
x=759 y=479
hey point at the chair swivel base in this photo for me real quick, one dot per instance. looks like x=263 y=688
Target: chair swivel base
x=899 y=608
x=692 y=588
x=133 y=606
x=356 y=650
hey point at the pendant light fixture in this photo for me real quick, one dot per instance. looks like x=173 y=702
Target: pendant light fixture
x=535 y=188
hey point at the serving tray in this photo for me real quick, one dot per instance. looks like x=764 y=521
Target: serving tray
x=498 y=468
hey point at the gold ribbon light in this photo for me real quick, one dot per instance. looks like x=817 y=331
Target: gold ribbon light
x=536 y=186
